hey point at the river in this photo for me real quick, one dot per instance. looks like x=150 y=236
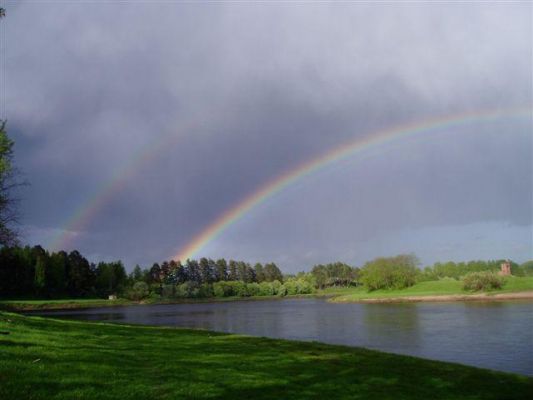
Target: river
x=495 y=335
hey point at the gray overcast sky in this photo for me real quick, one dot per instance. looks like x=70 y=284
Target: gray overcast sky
x=249 y=91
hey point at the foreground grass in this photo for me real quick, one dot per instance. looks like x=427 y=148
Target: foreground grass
x=443 y=287
x=51 y=359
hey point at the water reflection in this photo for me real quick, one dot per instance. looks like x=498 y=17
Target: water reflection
x=495 y=335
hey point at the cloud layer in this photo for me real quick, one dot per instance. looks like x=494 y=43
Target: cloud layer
x=248 y=91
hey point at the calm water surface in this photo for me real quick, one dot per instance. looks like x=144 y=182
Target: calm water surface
x=495 y=335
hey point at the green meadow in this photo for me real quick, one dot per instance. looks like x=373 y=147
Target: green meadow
x=52 y=359
x=443 y=287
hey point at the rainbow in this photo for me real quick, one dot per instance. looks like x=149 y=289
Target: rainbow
x=350 y=149
x=85 y=212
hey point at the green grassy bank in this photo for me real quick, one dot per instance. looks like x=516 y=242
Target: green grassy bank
x=51 y=359
x=31 y=305
x=443 y=287
x=63 y=304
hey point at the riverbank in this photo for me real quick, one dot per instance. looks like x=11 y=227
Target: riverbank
x=515 y=288
x=437 y=298
x=72 y=304
x=52 y=359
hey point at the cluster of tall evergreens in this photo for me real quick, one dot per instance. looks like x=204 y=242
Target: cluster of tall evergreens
x=32 y=272
x=36 y=273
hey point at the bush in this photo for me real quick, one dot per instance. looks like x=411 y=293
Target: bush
x=276 y=287
x=168 y=291
x=220 y=289
x=138 y=292
x=205 y=290
x=390 y=272
x=266 y=289
x=187 y=290
x=293 y=286
x=305 y=287
x=230 y=288
x=282 y=291
x=253 y=289
x=483 y=281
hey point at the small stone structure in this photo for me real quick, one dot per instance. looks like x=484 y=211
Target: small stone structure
x=505 y=268
x=112 y=297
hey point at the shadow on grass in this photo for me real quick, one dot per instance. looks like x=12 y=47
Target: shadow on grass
x=106 y=361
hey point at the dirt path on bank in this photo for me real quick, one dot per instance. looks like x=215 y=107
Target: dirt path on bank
x=454 y=297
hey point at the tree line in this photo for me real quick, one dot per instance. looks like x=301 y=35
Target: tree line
x=33 y=272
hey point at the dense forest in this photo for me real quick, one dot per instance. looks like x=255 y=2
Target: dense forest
x=33 y=272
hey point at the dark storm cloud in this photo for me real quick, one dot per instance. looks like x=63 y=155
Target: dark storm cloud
x=250 y=91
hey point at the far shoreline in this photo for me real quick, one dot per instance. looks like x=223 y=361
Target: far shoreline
x=486 y=296
x=75 y=304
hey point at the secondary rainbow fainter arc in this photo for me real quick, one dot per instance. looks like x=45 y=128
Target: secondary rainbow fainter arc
x=84 y=214
x=350 y=149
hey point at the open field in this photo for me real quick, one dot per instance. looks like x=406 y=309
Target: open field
x=51 y=359
x=450 y=289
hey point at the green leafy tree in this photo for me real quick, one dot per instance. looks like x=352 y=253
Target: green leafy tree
x=272 y=273
x=390 y=272
x=221 y=270
x=40 y=276
x=56 y=274
x=206 y=275
x=110 y=278
x=136 y=275
x=139 y=291
x=80 y=276
x=259 y=273
x=527 y=268
x=233 y=271
x=8 y=210
x=193 y=272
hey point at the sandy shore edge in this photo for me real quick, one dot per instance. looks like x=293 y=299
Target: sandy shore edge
x=455 y=297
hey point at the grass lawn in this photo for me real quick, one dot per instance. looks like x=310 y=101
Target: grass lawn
x=52 y=359
x=430 y=288
x=27 y=305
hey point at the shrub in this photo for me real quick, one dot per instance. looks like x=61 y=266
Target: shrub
x=390 y=272
x=220 y=289
x=138 y=292
x=253 y=289
x=276 y=287
x=205 y=290
x=305 y=287
x=230 y=288
x=168 y=291
x=483 y=281
x=187 y=290
x=282 y=291
x=291 y=287
x=266 y=289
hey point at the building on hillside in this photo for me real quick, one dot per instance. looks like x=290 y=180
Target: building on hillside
x=505 y=268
